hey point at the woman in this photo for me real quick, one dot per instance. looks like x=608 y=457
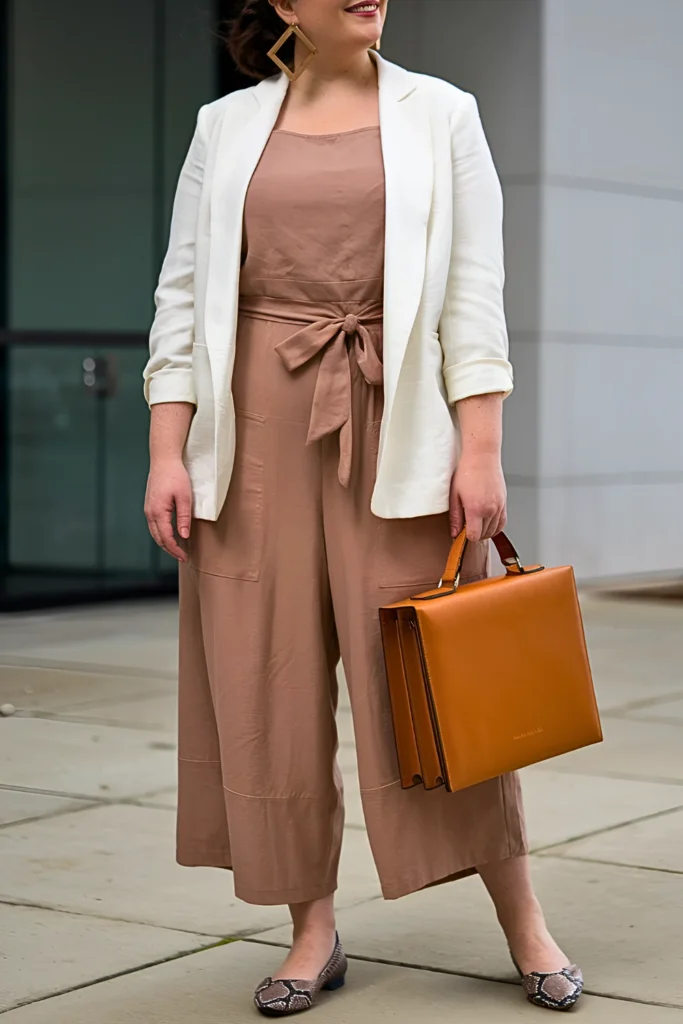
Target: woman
x=329 y=343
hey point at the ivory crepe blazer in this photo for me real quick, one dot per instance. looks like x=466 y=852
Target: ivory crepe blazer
x=445 y=335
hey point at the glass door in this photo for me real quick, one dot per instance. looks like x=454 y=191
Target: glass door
x=77 y=468
x=100 y=105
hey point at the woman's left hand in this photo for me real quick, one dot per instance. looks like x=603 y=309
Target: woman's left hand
x=478 y=497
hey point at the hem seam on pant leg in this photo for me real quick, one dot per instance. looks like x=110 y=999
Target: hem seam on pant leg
x=197 y=760
x=208 y=851
x=397 y=890
x=294 y=796
x=204 y=859
x=377 y=789
x=281 y=897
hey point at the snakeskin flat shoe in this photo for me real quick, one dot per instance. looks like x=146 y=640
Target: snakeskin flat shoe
x=282 y=998
x=559 y=990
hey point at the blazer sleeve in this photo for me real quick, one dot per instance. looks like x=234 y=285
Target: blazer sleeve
x=168 y=373
x=472 y=328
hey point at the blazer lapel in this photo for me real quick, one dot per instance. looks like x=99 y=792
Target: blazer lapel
x=409 y=175
x=240 y=147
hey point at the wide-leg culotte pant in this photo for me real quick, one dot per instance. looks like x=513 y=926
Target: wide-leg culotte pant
x=291 y=575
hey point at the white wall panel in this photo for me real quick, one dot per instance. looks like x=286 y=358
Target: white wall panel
x=614 y=90
x=612 y=264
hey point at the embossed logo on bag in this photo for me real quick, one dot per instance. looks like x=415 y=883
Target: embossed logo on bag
x=525 y=735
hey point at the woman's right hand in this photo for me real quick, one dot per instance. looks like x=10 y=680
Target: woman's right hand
x=168 y=491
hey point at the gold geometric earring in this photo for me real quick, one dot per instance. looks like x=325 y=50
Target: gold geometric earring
x=273 y=52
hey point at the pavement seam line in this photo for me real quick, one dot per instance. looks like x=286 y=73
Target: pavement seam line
x=661 y=780
x=74 y=719
x=94 y=723
x=651 y=720
x=647 y=702
x=152 y=806
x=241 y=935
x=609 y=828
x=467 y=974
x=118 y=974
x=88 y=668
x=15 y=901
x=103 y=800
x=59 y=813
x=614 y=864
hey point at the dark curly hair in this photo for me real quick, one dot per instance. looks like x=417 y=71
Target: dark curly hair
x=252 y=30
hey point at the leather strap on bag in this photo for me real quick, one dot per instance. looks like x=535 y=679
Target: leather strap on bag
x=506 y=552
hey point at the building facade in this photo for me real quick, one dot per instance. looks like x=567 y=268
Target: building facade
x=581 y=100
x=99 y=103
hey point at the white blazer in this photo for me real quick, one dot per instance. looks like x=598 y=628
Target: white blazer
x=445 y=336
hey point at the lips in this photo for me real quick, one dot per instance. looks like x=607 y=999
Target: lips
x=368 y=8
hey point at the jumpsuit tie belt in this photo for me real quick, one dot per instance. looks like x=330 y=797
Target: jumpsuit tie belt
x=337 y=337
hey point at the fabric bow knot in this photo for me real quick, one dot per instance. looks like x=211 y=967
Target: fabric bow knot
x=331 y=410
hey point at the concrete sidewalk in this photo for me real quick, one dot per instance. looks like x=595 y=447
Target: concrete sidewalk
x=98 y=924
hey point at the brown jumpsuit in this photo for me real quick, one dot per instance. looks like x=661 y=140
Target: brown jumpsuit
x=294 y=570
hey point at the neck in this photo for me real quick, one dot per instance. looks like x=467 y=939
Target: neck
x=358 y=69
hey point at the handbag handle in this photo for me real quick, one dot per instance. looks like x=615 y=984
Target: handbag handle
x=504 y=547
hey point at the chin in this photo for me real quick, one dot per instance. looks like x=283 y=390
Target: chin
x=366 y=38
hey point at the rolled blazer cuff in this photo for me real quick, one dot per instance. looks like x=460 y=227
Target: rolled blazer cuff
x=479 y=377
x=170 y=386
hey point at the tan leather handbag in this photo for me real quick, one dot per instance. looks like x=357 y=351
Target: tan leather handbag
x=488 y=677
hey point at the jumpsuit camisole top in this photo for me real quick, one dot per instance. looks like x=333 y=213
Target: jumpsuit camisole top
x=313 y=257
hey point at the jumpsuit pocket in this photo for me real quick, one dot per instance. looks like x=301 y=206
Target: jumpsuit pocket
x=233 y=545
x=408 y=554
x=412 y=553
